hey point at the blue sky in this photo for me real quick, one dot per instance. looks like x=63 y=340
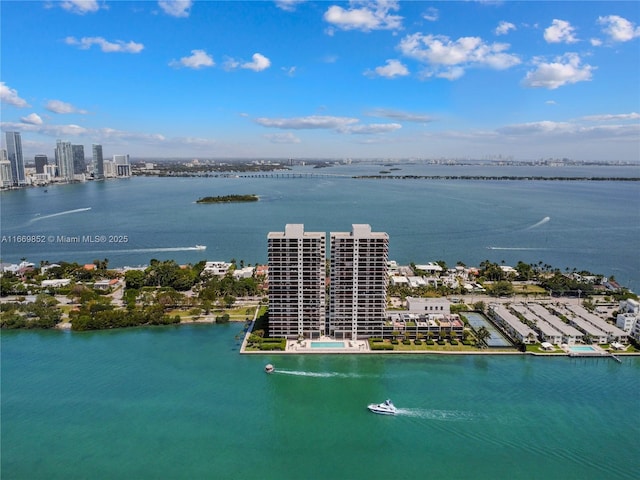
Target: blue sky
x=302 y=79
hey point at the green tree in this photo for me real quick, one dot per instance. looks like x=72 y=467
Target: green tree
x=134 y=279
x=482 y=335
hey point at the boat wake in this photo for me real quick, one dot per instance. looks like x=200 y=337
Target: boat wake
x=318 y=374
x=517 y=248
x=541 y=222
x=66 y=212
x=444 y=415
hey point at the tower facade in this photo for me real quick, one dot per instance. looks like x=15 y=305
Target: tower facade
x=98 y=161
x=64 y=158
x=79 y=164
x=297 y=274
x=14 y=154
x=358 y=282
x=41 y=161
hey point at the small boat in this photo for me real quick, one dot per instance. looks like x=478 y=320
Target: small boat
x=201 y=247
x=269 y=368
x=385 y=408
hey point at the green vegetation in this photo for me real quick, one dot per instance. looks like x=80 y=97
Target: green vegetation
x=229 y=199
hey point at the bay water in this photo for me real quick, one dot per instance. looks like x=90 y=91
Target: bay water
x=181 y=402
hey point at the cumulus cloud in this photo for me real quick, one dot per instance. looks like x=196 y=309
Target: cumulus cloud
x=80 y=7
x=432 y=14
x=392 y=69
x=619 y=29
x=176 y=8
x=288 y=5
x=563 y=71
x=612 y=117
x=286 y=137
x=449 y=59
x=560 y=31
x=504 y=27
x=400 y=115
x=106 y=46
x=10 y=96
x=198 y=59
x=32 y=118
x=57 y=106
x=365 y=16
x=310 y=122
x=348 y=125
x=258 y=63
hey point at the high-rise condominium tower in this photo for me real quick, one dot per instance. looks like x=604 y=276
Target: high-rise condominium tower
x=98 y=161
x=79 y=164
x=297 y=274
x=64 y=157
x=14 y=153
x=41 y=161
x=358 y=284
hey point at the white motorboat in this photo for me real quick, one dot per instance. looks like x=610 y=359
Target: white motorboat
x=269 y=368
x=385 y=408
x=201 y=247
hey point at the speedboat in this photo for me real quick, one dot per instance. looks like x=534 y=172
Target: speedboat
x=201 y=247
x=269 y=368
x=385 y=408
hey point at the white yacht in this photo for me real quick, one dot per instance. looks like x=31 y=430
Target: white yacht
x=385 y=408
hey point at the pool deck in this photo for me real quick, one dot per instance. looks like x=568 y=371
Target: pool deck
x=349 y=346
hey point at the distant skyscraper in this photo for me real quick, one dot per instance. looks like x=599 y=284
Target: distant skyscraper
x=98 y=161
x=41 y=161
x=123 y=168
x=5 y=173
x=79 y=165
x=297 y=282
x=64 y=157
x=14 y=152
x=358 y=283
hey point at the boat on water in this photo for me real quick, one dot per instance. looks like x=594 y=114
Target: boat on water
x=269 y=368
x=384 y=408
x=201 y=247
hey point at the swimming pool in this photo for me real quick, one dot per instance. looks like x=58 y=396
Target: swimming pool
x=581 y=348
x=327 y=345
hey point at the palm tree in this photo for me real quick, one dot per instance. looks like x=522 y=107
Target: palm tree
x=482 y=334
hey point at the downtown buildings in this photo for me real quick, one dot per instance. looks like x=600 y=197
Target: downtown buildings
x=297 y=283
x=16 y=161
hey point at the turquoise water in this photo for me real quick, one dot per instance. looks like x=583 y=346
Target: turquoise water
x=327 y=344
x=181 y=403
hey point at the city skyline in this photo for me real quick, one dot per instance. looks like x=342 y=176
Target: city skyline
x=302 y=79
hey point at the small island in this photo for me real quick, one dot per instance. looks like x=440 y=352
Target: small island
x=228 y=199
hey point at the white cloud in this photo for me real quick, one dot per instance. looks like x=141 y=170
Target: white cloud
x=570 y=131
x=310 y=122
x=80 y=6
x=10 y=96
x=289 y=71
x=449 y=58
x=176 y=8
x=612 y=117
x=32 y=118
x=619 y=29
x=259 y=62
x=106 y=46
x=372 y=128
x=565 y=70
x=197 y=60
x=596 y=42
x=392 y=69
x=57 y=106
x=560 y=31
x=400 y=115
x=431 y=14
x=346 y=125
x=504 y=27
x=365 y=16
x=288 y=5
x=286 y=137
